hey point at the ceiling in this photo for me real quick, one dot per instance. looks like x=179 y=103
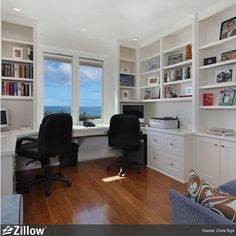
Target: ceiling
x=105 y=20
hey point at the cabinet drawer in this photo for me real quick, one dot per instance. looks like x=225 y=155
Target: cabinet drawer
x=157 y=140
x=175 y=145
x=173 y=165
x=156 y=159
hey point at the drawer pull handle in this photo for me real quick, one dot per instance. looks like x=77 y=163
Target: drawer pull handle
x=222 y=146
x=216 y=145
x=154 y=158
x=171 y=144
x=171 y=164
x=155 y=140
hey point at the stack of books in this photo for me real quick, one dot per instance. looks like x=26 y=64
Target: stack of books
x=221 y=132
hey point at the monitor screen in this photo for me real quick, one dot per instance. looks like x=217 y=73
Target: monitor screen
x=3 y=117
x=133 y=110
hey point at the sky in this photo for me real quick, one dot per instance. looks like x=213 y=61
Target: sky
x=57 y=84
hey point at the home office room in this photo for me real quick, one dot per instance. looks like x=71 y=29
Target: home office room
x=118 y=114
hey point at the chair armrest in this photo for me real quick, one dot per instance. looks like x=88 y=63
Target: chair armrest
x=21 y=140
x=186 y=211
x=229 y=187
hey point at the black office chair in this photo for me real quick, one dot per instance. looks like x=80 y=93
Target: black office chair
x=54 y=139
x=124 y=133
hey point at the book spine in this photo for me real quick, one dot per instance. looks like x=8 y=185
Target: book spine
x=20 y=71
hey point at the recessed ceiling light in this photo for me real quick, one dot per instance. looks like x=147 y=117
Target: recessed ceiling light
x=16 y=9
x=135 y=39
x=84 y=29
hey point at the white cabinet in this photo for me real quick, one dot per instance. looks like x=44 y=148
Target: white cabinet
x=170 y=154
x=215 y=160
x=208 y=159
x=228 y=161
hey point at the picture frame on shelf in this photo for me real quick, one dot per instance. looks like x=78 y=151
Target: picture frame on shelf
x=224 y=75
x=188 y=52
x=153 y=64
x=125 y=94
x=208 y=99
x=228 y=28
x=187 y=72
x=153 y=80
x=127 y=80
x=228 y=97
x=209 y=61
x=17 y=53
x=178 y=74
x=125 y=70
x=188 y=91
x=174 y=59
x=230 y=55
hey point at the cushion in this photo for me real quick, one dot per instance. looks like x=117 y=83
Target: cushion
x=220 y=202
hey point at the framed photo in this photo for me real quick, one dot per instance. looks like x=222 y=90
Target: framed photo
x=174 y=59
x=228 y=97
x=127 y=80
x=124 y=70
x=209 y=61
x=228 y=28
x=147 y=94
x=188 y=91
x=17 y=53
x=153 y=80
x=154 y=64
x=230 y=55
x=125 y=94
x=224 y=75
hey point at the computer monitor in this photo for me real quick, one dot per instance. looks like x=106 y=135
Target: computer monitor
x=137 y=110
x=5 y=123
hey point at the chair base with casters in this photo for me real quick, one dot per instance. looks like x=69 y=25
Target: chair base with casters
x=47 y=178
x=124 y=164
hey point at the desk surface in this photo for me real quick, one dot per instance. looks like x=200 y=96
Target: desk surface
x=8 y=138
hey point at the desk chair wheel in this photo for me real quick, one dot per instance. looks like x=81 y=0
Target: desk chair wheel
x=68 y=184
x=108 y=168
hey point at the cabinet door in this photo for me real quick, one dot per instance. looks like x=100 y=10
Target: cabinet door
x=208 y=160
x=228 y=161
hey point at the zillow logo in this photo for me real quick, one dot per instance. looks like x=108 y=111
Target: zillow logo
x=23 y=230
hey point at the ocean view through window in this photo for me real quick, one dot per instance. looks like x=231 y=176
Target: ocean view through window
x=57 y=83
x=90 y=92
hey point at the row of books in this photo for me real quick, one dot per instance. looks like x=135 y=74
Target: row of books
x=13 y=88
x=17 y=70
x=221 y=132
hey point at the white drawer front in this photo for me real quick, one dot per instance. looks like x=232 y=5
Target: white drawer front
x=175 y=145
x=157 y=140
x=156 y=159
x=174 y=165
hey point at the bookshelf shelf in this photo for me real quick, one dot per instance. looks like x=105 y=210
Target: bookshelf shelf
x=223 y=63
x=17 y=60
x=151 y=72
x=17 y=41
x=219 y=43
x=17 y=97
x=182 y=99
x=127 y=87
x=17 y=79
x=177 y=48
x=215 y=86
x=127 y=60
x=218 y=107
x=127 y=73
x=150 y=86
x=184 y=63
x=178 y=82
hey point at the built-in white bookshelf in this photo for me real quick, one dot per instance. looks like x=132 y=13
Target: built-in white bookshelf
x=18 y=76
x=212 y=80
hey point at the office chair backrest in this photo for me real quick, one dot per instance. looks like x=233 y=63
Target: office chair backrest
x=124 y=132
x=55 y=135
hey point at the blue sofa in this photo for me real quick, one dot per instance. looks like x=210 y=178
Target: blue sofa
x=186 y=211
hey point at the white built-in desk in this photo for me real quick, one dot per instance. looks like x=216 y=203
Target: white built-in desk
x=8 y=144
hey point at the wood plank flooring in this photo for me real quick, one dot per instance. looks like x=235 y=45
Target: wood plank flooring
x=136 y=199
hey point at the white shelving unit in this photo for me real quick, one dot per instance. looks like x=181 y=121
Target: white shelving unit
x=19 y=74
x=218 y=107
x=218 y=64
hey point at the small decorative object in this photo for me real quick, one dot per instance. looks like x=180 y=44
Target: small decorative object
x=17 y=53
x=224 y=75
x=188 y=52
x=170 y=92
x=154 y=64
x=153 y=80
x=30 y=53
x=127 y=80
x=189 y=91
x=187 y=72
x=228 y=97
x=147 y=94
x=124 y=70
x=125 y=94
x=228 y=28
x=172 y=75
x=174 y=59
x=225 y=56
x=208 y=99
x=179 y=74
x=209 y=61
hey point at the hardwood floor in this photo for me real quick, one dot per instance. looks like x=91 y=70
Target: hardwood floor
x=136 y=199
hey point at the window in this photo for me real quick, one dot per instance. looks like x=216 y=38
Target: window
x=90 y=88
x=57 y=83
